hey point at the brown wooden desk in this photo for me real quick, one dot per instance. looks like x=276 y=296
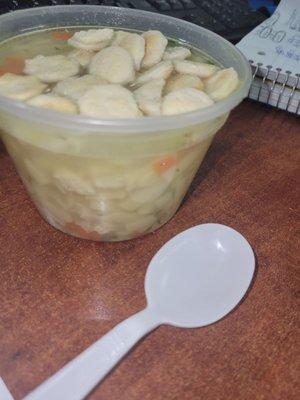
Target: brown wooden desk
x=59 y=294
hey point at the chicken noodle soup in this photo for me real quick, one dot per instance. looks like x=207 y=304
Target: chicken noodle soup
x=95 y=187
x=111 y=73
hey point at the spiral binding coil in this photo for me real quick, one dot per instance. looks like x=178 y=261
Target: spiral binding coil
x=275 y=87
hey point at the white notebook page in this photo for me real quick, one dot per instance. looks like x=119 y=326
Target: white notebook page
x=275 y=44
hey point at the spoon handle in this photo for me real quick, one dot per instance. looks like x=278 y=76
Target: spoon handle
x=77 y=378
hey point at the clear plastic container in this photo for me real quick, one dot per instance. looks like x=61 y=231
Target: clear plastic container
x=104 y=179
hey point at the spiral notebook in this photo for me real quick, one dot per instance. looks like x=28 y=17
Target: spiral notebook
x=273 y=50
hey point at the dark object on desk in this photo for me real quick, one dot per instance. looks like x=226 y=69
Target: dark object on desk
x=231 y=19
x=266 y=7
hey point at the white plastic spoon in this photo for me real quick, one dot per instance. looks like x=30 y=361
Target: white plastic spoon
x=195 y=279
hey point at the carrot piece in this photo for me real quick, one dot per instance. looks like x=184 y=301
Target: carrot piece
x=78 y=231
x=165 y=163
x=13 y=65
x=59 y=35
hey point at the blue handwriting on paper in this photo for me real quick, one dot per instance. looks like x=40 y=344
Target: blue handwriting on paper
x=267 y=31
x=294 y=21
x=290 y=53
x=295 y=40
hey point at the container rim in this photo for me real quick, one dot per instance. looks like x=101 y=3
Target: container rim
x=125 y=125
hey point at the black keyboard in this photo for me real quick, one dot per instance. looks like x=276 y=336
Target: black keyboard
x=231 y=19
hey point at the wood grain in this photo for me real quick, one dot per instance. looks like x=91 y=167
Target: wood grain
x=59 y=294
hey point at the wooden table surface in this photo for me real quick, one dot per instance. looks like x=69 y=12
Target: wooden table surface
x=59 y=294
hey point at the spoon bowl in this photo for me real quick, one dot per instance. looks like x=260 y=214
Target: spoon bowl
x=199 y=276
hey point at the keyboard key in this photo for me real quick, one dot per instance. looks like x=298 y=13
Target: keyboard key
x=45 y=2
x=161 y=5
x=25 y=3
x=4 y=8
x=176 y=4
x=188 y=3
x=12 y=5
x=141 y=4
x=200 y=17
x=242 y=22
x=40 y=3
x=59 y=2
x=119 y=3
